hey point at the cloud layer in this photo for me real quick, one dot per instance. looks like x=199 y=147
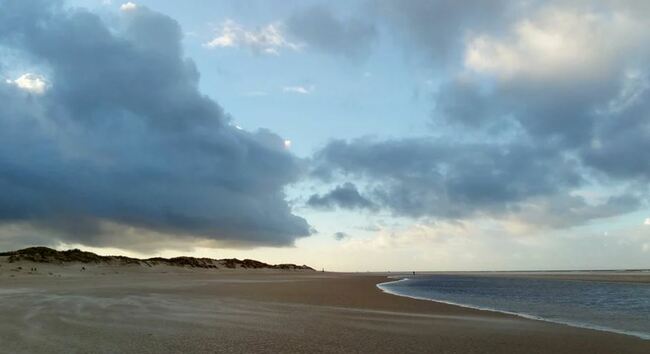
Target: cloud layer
x=540 y=118
x=320 y=28
x=123 y=140
x=538 y=104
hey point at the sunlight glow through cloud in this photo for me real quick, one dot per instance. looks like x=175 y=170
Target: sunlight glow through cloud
x=129 y=6
x=552 y=42
x=31 y=83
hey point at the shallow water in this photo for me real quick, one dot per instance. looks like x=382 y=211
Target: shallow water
x=615 y=307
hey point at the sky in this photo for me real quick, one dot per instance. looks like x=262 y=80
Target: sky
x=350 y=136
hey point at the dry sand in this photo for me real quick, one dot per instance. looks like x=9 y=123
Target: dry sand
x=135 y=309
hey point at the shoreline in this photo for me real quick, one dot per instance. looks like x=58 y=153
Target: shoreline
x=639 y=335
x=609 y=276
x=166 y=309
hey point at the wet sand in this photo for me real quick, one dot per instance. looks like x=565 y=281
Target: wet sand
x=168 y=309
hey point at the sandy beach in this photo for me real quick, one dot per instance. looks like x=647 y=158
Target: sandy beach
x=107 y=309
x=176 y=176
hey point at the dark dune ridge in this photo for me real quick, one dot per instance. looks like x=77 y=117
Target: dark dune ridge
x=48 y=255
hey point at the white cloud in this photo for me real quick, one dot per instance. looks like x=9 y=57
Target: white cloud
x=646 y=221
x=303 y=90
x=31 y=83
x=556 y=41
x=129 y=6
x=269 y=39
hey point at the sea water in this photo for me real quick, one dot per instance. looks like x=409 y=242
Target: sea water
x=608 y=306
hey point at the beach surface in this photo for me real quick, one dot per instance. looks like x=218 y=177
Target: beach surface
x=136 y=309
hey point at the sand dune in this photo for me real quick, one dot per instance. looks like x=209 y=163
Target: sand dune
x=45 y=255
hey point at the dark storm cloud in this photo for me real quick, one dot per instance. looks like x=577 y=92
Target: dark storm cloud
x=123 y=137
x=425 y=177
x=563 y=110
x=620 y=143
x=344 y=196
x=319 y=27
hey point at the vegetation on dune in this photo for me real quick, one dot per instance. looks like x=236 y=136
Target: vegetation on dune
x=48 y=255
